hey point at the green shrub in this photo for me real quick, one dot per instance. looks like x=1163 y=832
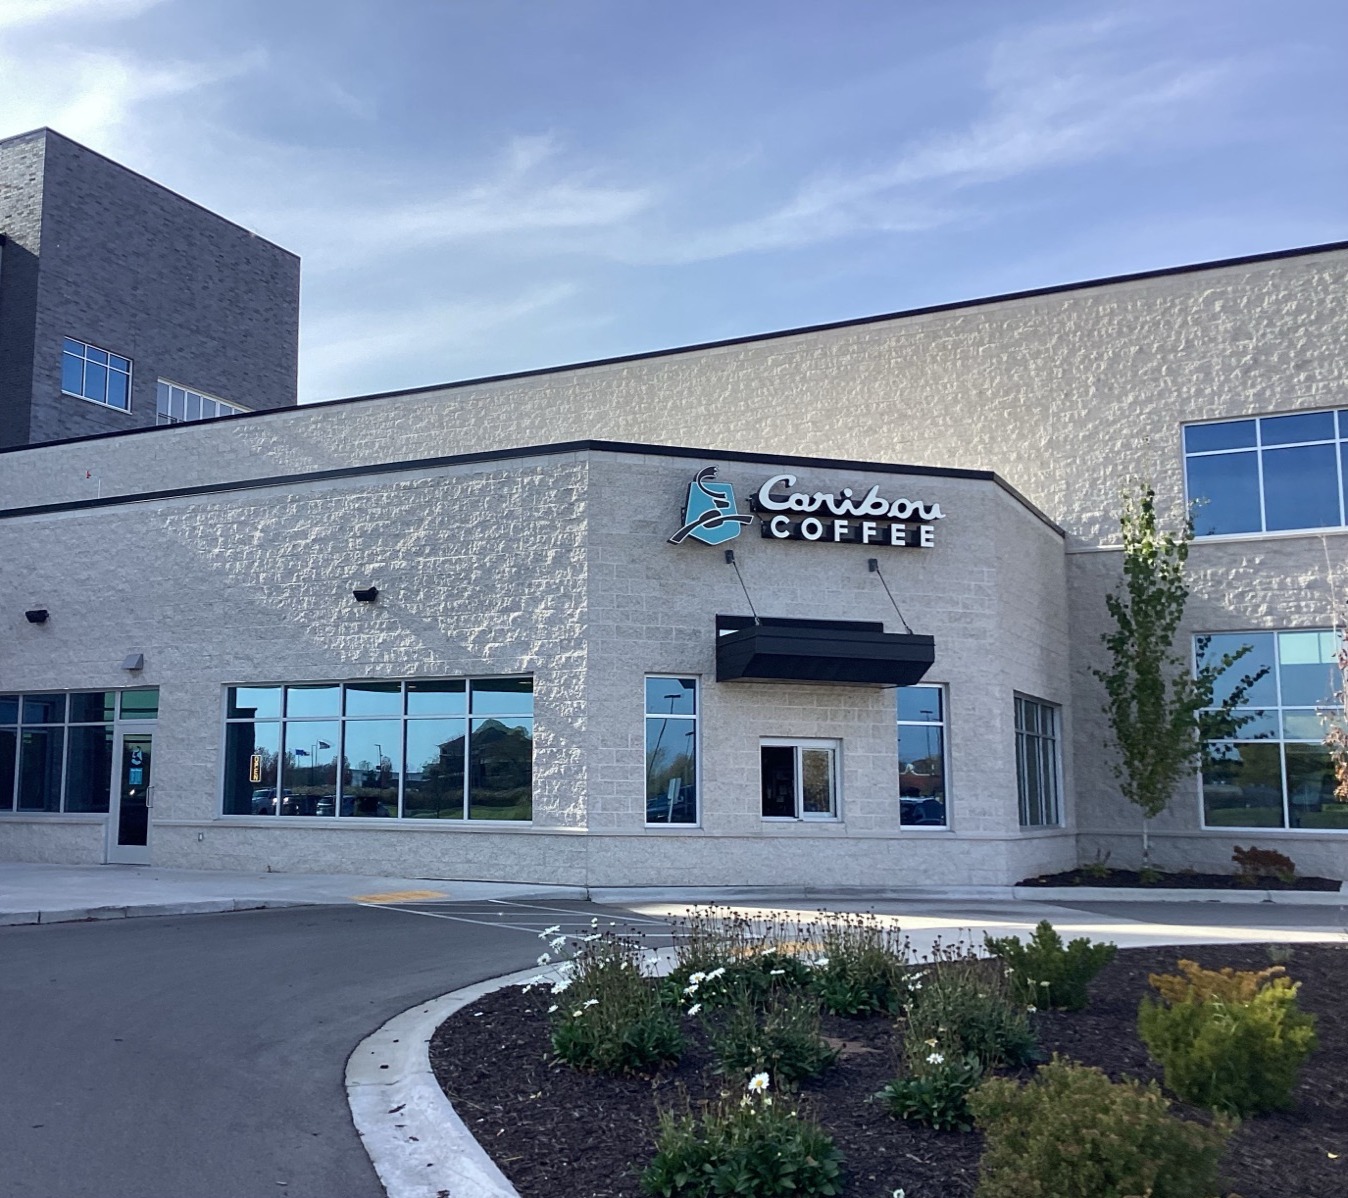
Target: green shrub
x=608 y=1017
x=1072 y=1133
x=862 y=965
x=937 y=1094
x=752 y=1147
x=780 y=1038
x=722 y=954
x=964 y=1006
x=757 y=976
x=1254 y=864
x=1047 y=974
x=1229 y=1041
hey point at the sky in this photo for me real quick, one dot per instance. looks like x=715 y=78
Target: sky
x=478 y=187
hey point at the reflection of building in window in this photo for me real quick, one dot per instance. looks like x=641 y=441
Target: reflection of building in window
x=425 y=749
x=671 y=751
x=922 y=767
x=182 y=405
x=1267 y=473
x=1037 y=764
x=96 y=374
x=1266 y=765
x=799 y=779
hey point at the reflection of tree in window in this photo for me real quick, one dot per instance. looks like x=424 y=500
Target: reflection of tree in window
x=501 y=771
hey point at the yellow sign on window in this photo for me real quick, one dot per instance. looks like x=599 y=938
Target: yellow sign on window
x=255 y=768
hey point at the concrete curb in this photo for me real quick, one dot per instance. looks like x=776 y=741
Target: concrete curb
x=142 y=910
x=419 y=1146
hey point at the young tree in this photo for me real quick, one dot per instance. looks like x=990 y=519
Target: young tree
x=1160 y=712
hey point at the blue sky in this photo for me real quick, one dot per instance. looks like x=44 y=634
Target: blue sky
x=482 y=186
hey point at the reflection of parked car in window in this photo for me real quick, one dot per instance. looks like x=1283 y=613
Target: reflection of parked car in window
x=264 y=800
x=922 y=812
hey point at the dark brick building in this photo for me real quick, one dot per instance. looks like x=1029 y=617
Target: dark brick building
x=123 y=305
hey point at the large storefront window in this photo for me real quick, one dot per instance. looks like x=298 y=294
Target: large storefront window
x=1267 y=473
x=427 y=749
x=56 y=749
x=671 y=750
x=1037 y=768
x=1265 y=764
x=922 y=765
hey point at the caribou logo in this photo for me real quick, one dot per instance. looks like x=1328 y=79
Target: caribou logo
x=709 y=515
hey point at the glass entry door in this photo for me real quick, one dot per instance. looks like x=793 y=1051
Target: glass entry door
x=133 y=798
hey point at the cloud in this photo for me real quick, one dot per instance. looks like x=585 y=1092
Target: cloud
x=50 y=75
x=16 y=13
x=1053 y=96
x=343 y=346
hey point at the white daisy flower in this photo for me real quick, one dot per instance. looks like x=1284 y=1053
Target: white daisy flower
x=695 y=1008
x=935 y=1058
x=544 y=958
x=758 y=1083
x=590 y=1002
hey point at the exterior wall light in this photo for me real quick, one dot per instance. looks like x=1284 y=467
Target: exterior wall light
x=366 y=594
x=36 y=615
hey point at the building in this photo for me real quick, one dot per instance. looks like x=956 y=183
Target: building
x=450 y=633
x=123 y=305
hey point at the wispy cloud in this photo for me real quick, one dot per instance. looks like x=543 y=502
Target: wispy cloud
x=1052 y=96
x=15 y=13
x=339 y=342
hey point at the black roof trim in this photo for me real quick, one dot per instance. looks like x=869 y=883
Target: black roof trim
x=525 y=451
x=673 y=351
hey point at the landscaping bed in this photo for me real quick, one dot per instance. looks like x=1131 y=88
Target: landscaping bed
x=557 y=1132
x=1180 y=880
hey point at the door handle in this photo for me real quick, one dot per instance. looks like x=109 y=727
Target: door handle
x=149 y=797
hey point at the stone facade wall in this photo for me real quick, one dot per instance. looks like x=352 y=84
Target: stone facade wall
x=21 y=164
x=557 y=567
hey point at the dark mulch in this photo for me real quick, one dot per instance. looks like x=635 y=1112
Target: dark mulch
x=557 y=1133
x=1183 y=880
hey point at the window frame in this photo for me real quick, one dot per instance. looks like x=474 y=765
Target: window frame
x=1054 y=775
x=86 y=361
x=1338 y=441
x=1277 y=711
x=696 y=720
x=111 y=723
x=163 y=401
x=283 y=719
x=943 y=726
x=799 y=744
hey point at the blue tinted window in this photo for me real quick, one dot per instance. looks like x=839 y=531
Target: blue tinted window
x=1310 y=675
x=920 y=704
x=671 y=696
x=1304 y=426
x=1256 y=670
x=1231 y=434
x=117 y=390
x=72 y=374
x=1226 y=489
x=1301 y=487
x=501 y=696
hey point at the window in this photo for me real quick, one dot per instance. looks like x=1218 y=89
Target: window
x=455 y=748
x=179 y=405
x=96 y=374
x=1266 y=766
x=671 y=750
x=1267 y=473
x=800 y=779
x=56 y=749
x=922 y=769
x=1037 y=763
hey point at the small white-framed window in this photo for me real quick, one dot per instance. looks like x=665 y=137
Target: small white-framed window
x=671 y=750
x=922 y=756
x=800 y=779
x=1038 y=767
x=96 y=374
x=181 y=405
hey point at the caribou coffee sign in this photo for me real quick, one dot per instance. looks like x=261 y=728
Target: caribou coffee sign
x=787 y=513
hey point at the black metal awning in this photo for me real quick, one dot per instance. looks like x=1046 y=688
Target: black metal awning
x=844 y=652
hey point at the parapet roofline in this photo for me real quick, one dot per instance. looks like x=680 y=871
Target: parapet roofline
x=554 y=449
x=647 y=355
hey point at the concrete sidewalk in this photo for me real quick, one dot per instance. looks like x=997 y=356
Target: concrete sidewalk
x=32 y=893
